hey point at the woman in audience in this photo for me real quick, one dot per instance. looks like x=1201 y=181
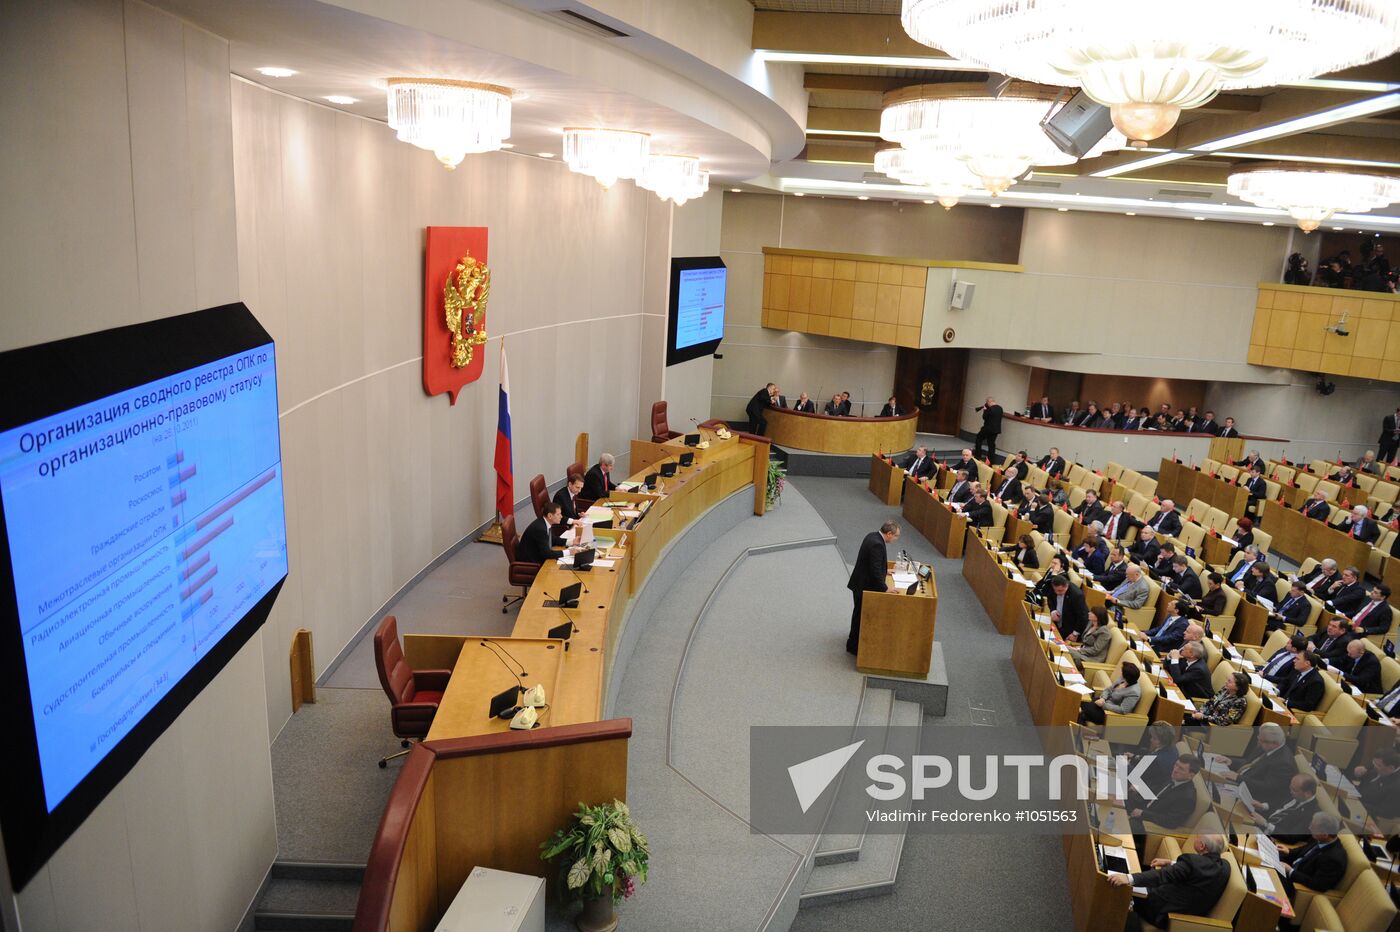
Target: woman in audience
x=1098 y=637
x=1023 y=553
x=1227 y=706
x=1244 y=533
x=1213 y=602
x=1259 y=582
x=1041 y=593
x=1121 y=697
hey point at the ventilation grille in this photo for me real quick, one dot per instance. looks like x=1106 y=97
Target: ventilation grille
x=578 y=21
x=1182 y=194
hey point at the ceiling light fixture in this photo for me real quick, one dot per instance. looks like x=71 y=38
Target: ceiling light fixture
x=273 y=72
x=545 y=155
x=935 y=168
x=341 y=99
x=449 y=118
x=1311 y=196
x=863 y=197
x=1131 y=214
x=1148 y=62
x=606 y=155
x=674 y=178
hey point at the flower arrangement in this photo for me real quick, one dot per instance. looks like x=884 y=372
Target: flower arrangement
x=777 y=481
x=600 y=853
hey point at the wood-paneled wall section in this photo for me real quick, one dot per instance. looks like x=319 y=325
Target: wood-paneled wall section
x=946 y=369
x=852 y=297
x=1291 y=331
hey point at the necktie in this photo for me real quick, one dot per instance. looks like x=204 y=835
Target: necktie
x=1391 y=700
x=1365 y=611
x=1113 y=527
x=1355 y=528
x=1325 y=644
x=1277 y=663
x=915 y=467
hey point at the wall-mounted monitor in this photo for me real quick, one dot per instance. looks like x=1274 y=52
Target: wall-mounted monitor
x=696 y=313
x=142 y=543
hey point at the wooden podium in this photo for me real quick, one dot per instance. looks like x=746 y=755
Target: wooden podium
x=896 y=631
x=886 y=480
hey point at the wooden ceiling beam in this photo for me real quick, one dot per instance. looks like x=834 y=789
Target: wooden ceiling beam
x=820 y=119
x=836 y=34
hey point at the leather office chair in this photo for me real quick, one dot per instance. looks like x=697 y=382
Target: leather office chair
x=539 y=494
x=579 y=469
x=520 y=574
x=660 y=428
x=413 y=694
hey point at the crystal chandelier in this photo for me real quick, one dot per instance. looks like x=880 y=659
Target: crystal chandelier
x=937 y=168
x=1311 y=196
x=1148 y=60
x=674 y=178
x=449 y=118
x=999 y=138
x=606 y=154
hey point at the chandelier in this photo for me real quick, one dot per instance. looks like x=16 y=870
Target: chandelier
x=1311 y=196
x=999 y=138
x=606 y=154
x=1147 y=60
x=449 y=118
x=674 y=178
x=936 y=168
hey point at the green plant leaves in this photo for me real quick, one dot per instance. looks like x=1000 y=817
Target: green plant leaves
x=579 y=874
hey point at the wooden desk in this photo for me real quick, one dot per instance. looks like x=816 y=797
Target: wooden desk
x=1251 y=620
x=1227 y=449
x=1050 y=703
x=1298 y=537
x=480 y=674
x=940 y=524
x=1216 y=551
x=886 y=480
x=896 y=631
x=1003 y=598
x=847 y=435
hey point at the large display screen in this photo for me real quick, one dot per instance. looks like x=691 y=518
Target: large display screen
x=142 y=528
x=696 y=320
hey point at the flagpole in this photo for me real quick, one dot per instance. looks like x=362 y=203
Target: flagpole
x=502 y=464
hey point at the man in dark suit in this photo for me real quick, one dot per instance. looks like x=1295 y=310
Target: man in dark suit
x=1360 y=525
x=1228 y=430
x=1270 y=769
x=1009 y=492
x=1068 y=610
x=1053 y=463
x=536 y=545
x=1390 y=437
x=1072 y=416
x=1319 y=865
x=1361 y=668
x=1041 y=410
x=991 y=426
x=805 y=405
x=1253 y=462
x=893 y=408
x=567 y=498
x=961 y=490
x=1037 y=509
x=1320 y=578
x=1375 y=616
x=845 y=404
x=757 y=408
x=1133 y=421
x=968 y=462
x=834 y=407
x=919 y=464
x=1120 y=524
x=1166 y=522
x=1189 y=671
x=1091 y=509
x=1206 y=425
x=1257 y=488
x=597 y=484
x=1347 y=595
x=1380 y=787
x=868 y=574
x=1293 y=610
x=1175 y=802
x=1291 y=823
x=1115 y=568
x=978 y=511
x=1192 y=884
x=1184 y=578
x=1317 y=507
x=1305 y=691
x=1146 y=549
x=1279 y=669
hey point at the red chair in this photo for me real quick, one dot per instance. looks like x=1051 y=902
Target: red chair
x=520 y=574
x=539 y=495
x=581 y=470
x=660 y=428
x=413 y=694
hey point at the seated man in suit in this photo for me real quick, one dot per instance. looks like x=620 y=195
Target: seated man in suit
x=1206 y=425
x=1331 y=642
x=1132 y=592
x=805 y=405
x=1091 y=509
x=1361 y=668
x=833 y=407
x=961 y=489
x=1036 y=509
x=1193 y=884
x=1175 y=802
x=1317 y=507
x=1320 y=578
x=1053 y=463
x=1115 y=569
x=1009 y=492
x=1256 y=487
x=1146 y=549
x=1166 y=522
x=845 y=404
x=1347 y=594
x=1320 y=864
x=1291 y=823
x=763 y=399
x=1183 y=577
x=1380 y=785
x=536 y=544
x=1253 y=463
x=1092 y=552
x=1304 y=692
x=567 y=499
x=1228 y=429
x=1120 y=524
x=1068 y=610
x=1367 y=463
x=597 y=484
x=979 y=510
x=1162 y=566
x=1073 y=416
x=919 y=464
x=1343 y=476
x=1279 y=668
x=1360 y=525
x=966 y=463
x=893 y=408
x=1269 y=770
x=1375 y=616
x=1187 y=667
x=1041 y=410
x=1293 y=610
x=1240 y=572
x=1171 y=633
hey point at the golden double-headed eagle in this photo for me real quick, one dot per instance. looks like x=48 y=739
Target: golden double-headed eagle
x=464 y=298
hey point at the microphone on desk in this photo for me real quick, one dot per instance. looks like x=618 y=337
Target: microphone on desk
x=567 y=629
x=579 y=578
x=504 y=704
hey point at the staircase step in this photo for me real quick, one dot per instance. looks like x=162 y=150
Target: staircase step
x=875 y=709
x=307 y=905
x=874 y=871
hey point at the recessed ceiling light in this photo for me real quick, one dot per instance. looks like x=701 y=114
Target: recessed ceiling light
x=863 y=198
x=1132 y=213
x=545 y=155
x=341 y=99
x=1268 y=223
x=507 y=145
x=1063 y=210
x=1198 y=218
x=1338 y=229
x=735 y=190
x=928 y=202
x=994 y=204
x=798 y=194
x=273 y=72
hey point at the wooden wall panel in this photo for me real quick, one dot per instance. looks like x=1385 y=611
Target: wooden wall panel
x=1290 y=331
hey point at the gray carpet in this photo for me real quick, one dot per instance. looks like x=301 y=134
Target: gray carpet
x=949 y=882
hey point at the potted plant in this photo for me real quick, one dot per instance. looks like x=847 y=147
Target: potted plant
x=602 y=857
x=777 y=480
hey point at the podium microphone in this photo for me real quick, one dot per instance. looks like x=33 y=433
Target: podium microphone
x=505 y=703
x=566 y=630
x=579 y=578
x=498 y=647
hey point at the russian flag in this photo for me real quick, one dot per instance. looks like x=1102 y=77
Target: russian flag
x=505 y=474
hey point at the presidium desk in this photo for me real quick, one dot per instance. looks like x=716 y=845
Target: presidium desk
x=454 y=806
x=849 y=436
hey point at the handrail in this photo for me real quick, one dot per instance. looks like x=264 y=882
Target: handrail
x=1149 y=433
x=842 y=417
